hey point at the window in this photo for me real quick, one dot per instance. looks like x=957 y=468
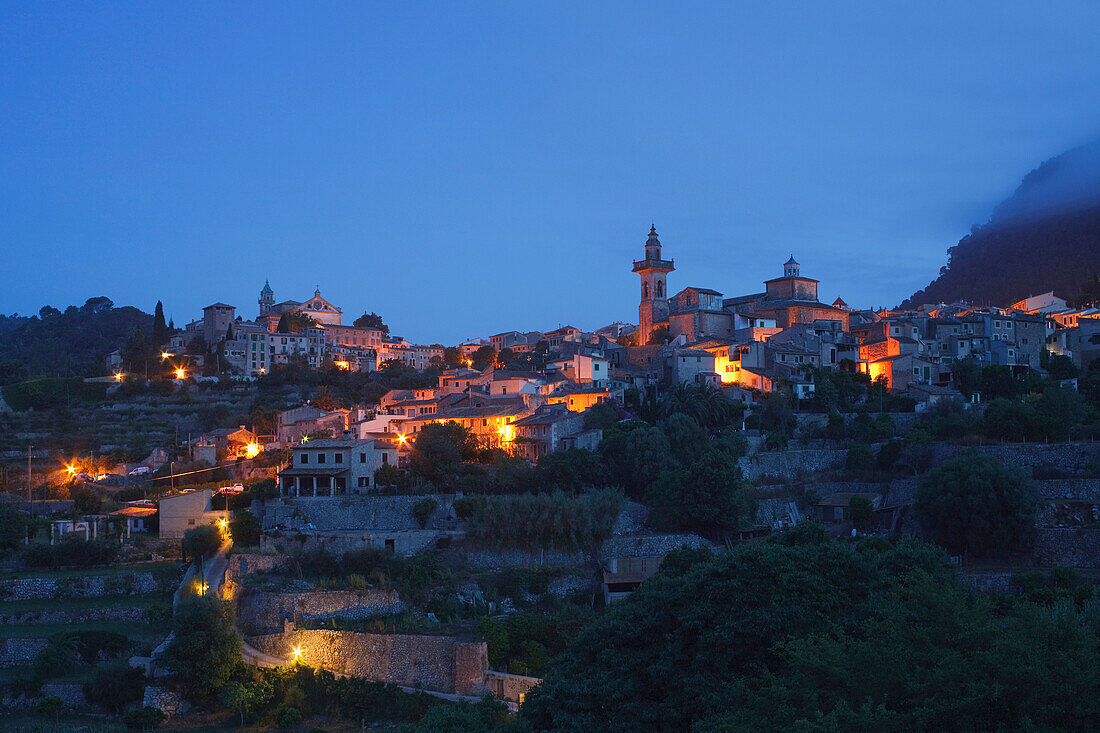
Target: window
x=338 y=458
x=190 y=521
x=385 y=459
x=320 y=457
x=303 y=458
x=364 y=481
x=362 y=457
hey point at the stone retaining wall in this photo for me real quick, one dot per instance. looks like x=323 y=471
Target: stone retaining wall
x=510 y=687
x=70 y=693
x=164 y=699
x=439 y=663
x=138 y=582
x=262 y=610
x=1074 y=459
x=245 y=563
x=1078 y=548
x=15 y=651
x=1081 y=489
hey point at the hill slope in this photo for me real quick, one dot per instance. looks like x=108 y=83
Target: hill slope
x=69 y=343
x=1046 y=236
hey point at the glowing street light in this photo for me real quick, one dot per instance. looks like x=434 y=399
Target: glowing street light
x=71 y=469
x=222 y=523
x=118 y=376
x=165 y=355
x=296 y=653
x=181 y=373
x=251 y=450
x=402 y=439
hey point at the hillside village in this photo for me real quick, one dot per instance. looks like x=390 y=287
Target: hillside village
x=290 y=518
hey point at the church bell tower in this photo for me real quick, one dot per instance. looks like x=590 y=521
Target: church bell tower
x=653 y=308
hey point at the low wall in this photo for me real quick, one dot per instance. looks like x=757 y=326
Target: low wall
x=137 y=582
x=1081 y=489
x=439 y=663
x=244 y=563
x=16 y=651
x=262 y=610
x=510 y=687
x=1078 y=548
x=510 y=558
x=71 y=695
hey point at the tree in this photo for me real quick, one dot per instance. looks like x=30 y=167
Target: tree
x=115 y=686
x=86 y=500
x=861 y=511
x=422 y=510
x=453 y=358
x=973 y=504
x=387 y=475
x=1007 y=419
x=294 y=322
x=205 y=650
x=1058 y=366
x=144 y=719
x=659 y=336
x=50 y=706
x=372 y=320
x=802 y=633
x=483 y=358
x=13 y=527
x=201 y=541
x=709 y=497
x=237 y=697
x=997 y=381
x=244 y=529
x=966 y=375
x=160 y=328
x=440 y=449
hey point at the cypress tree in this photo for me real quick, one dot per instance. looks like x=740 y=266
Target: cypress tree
x=160 y=328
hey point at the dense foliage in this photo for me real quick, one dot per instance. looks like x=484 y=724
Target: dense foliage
x=996 y=263
x=804 y=633
x=549 y=520
x=69 y=343
x=205 y=650
x=974 y=504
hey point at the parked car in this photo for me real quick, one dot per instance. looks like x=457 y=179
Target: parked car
x=139 y=471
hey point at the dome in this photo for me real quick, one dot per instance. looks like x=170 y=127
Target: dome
x=791 y=261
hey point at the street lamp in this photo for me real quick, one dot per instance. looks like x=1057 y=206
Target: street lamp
x=181 y=373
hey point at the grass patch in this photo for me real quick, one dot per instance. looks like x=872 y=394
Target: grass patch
x=86 y=572
x=136 y=632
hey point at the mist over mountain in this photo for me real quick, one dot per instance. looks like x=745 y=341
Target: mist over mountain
x=1046 y=236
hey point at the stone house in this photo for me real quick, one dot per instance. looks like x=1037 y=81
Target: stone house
x=335 y=467
x=187 y=510
x=627 y=561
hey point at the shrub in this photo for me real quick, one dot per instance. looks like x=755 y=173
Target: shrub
x=974 y=503
x=245 y=530
x=287 y=716
x=859 y=458
x=466 y=506
x=143 y=719
x=115 y=686
x=70 y=551
x=49 y=705
x=201 y=541
x=422 y=510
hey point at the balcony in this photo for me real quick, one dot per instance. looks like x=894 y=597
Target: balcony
x=653 y=265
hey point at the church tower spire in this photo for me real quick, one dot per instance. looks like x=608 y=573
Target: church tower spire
x=653 y=308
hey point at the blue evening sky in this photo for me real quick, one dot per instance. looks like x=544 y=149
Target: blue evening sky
x=469 y=168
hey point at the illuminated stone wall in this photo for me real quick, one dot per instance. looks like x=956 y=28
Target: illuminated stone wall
x=439 y=663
